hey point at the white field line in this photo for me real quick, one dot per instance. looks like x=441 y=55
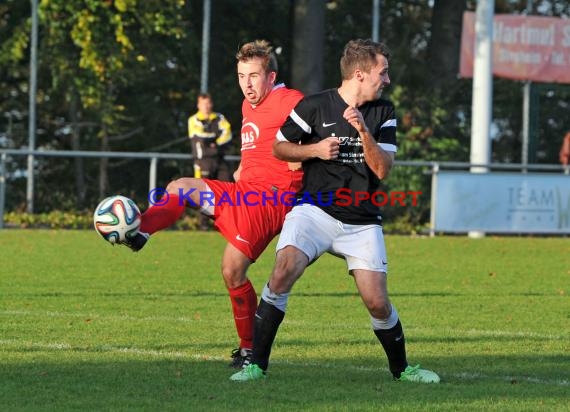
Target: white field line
x=151 y=353
x=165 y=354
x=56 y=314
x=492 y=333
x=186 y=319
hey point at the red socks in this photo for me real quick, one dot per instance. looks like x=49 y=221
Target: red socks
x=243 y=298
x=244 y=305
x=160 y=216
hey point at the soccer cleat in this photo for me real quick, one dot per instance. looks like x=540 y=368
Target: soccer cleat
x=241 y=358
x=251 y=372
x=415 y=374
x=136 y=242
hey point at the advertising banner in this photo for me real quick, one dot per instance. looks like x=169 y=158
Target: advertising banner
x=524 y=48
x=501 y=202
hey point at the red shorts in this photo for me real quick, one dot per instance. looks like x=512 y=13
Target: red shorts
x=248 y=216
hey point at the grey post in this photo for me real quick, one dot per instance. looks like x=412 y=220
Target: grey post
x=32 y=106
x=2 y=187
x=152 y=176
x=205 y=46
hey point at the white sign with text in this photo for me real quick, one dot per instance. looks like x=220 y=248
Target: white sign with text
x=501 y=202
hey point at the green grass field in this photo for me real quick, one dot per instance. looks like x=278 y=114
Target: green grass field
x=85 y=326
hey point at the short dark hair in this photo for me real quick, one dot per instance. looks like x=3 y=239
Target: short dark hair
x=204 y=96
x=360 y=54
x=261 y=49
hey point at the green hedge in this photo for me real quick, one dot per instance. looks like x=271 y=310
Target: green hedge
x=74 y=220
x=84 y=220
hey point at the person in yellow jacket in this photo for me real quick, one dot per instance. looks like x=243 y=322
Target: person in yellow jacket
x=209 y=133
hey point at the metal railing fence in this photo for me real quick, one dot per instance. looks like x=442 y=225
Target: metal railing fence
x=154 y=157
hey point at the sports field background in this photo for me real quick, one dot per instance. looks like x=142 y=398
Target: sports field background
x=87 y=326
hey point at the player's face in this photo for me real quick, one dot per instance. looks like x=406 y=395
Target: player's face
x=205 y=105
x=377 y=79
x=255 y=83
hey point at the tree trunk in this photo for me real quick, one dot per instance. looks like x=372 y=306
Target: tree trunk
x=445 y=42
x=80 y=187
x=307 y=71
x=103 y=166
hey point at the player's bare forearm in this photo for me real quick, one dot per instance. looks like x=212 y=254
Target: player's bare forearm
x=326 y=149
x=291 y=152
x=377 y=159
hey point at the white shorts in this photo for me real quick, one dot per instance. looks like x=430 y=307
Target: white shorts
x=315 y=232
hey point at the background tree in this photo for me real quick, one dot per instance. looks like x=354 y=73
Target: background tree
x=307 y=60
x=14 y=69
x=444 y=43
x=99 y=50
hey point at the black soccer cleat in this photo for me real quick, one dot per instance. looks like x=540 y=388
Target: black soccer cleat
x=136 y=242
x=241 y=358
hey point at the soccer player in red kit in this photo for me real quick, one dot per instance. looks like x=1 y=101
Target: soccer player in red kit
x=248 y=213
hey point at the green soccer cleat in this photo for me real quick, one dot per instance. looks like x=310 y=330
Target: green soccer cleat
x=251 y=372
x=415 y=374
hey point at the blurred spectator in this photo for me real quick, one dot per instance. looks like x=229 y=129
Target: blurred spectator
x=565 y=150
x=209 y=132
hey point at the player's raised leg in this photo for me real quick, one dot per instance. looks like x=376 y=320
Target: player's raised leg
x=165 y=212
x=387 y=327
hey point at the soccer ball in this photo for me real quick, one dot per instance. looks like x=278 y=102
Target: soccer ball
x=116 y=218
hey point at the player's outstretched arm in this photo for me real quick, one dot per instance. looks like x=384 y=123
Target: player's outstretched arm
x=326 y=149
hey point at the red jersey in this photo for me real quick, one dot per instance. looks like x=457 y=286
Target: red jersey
x=259 y=128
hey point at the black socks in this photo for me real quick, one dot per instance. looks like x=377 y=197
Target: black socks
x=267 y=321
x=394 y=345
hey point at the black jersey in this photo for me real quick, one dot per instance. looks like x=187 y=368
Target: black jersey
x=328 y=183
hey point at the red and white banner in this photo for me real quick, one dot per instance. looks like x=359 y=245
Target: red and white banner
x=524 y=47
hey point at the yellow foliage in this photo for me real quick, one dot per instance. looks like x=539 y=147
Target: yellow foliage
x=122 y=38
x=121 y=5
x=124 y=5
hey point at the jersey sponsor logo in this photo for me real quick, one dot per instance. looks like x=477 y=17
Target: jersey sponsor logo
x=350 y=150
x=249 y=136
x=349 y=141
x=328 y=124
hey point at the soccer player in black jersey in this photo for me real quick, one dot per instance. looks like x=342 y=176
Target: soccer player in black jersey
x=346 y=139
